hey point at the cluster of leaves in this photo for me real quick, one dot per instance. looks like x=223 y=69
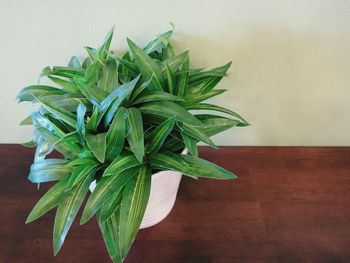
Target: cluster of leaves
x=116 y=120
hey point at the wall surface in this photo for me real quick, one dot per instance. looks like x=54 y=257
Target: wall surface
x=291 y=59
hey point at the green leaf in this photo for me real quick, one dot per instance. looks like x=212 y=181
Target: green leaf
x=81 y=171
x=66 y=85
x=133 y=206
x=168 y=109
x=198 y=97
x=105 y=189
x=106 y=43
x=120 y=164
x=31 y=93
x=196 y=133
x=97 y=144
x=206 y=106
x=26 y=121
x=66 y=72
x=91 y=92
x=135 y=137
x=92 y=122
x=109 y=207
x=48 y=201
x=204 y=85
x=183 y=78
x=171 y=161
x=67 y=211
x=68 y=149
x=110 y=233
x=170 y=80
x=59 y=112
x=160 y=42
x=147 y=66
x=156 y=96
x=48 y=170
x=68 y=102
x=159 y=134
x=191 y=144
x=30 y=144
x=121 y=93
x=214 y=124
x=216 y=72
x=204 y=168
x=175 y=62
x=109 y=77
x=116 y=135
x=129 y=65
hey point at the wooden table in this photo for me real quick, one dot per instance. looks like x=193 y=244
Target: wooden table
x=288 y=205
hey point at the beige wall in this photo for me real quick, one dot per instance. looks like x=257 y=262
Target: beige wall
x=291 y=59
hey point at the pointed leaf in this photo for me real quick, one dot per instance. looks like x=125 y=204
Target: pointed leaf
x=204 y=168
x=183 y=78
x=213 y=124
x=156 y=96
x=80 y=172
x=120 y=164
x=109 y=77
x=116 y=134
x=66 y=85
x=48 y=170
x=97 y=144
x=105 y=189
x=196 y=133
x=67 y=211
x=169 y=109
x=133 y=206
x=159 y=134
x=135 y=137
x=48 y=201
x=147 y=66
x=206 y=106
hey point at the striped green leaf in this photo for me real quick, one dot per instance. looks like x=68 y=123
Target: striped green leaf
x=147 y=66
x=67 y=211
x=171 y=161
x=106 y=188
x=204 y=168
x=213 y=124
x=133 y=207
x=206 y=106
x=30 y=93
x=109 y=78
x=136 y=137
x=110 y=233
x=97 y=144
x=183 y=78
x=48 y=201
x=109 y=207
x=116 y=135
x=191 y=143
x=159 y=134
x=196 y=133
x=157 y=96
x=168 y=109
x=120 y=164
x=80 y=172
x=49 y=170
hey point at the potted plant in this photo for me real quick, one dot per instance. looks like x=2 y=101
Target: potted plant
x=119 y=121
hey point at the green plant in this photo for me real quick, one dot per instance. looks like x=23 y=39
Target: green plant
x=117 y=120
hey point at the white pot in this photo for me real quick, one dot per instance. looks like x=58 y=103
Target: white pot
x=162 y=197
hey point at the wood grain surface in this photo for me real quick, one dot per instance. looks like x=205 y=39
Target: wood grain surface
x=288 y=205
